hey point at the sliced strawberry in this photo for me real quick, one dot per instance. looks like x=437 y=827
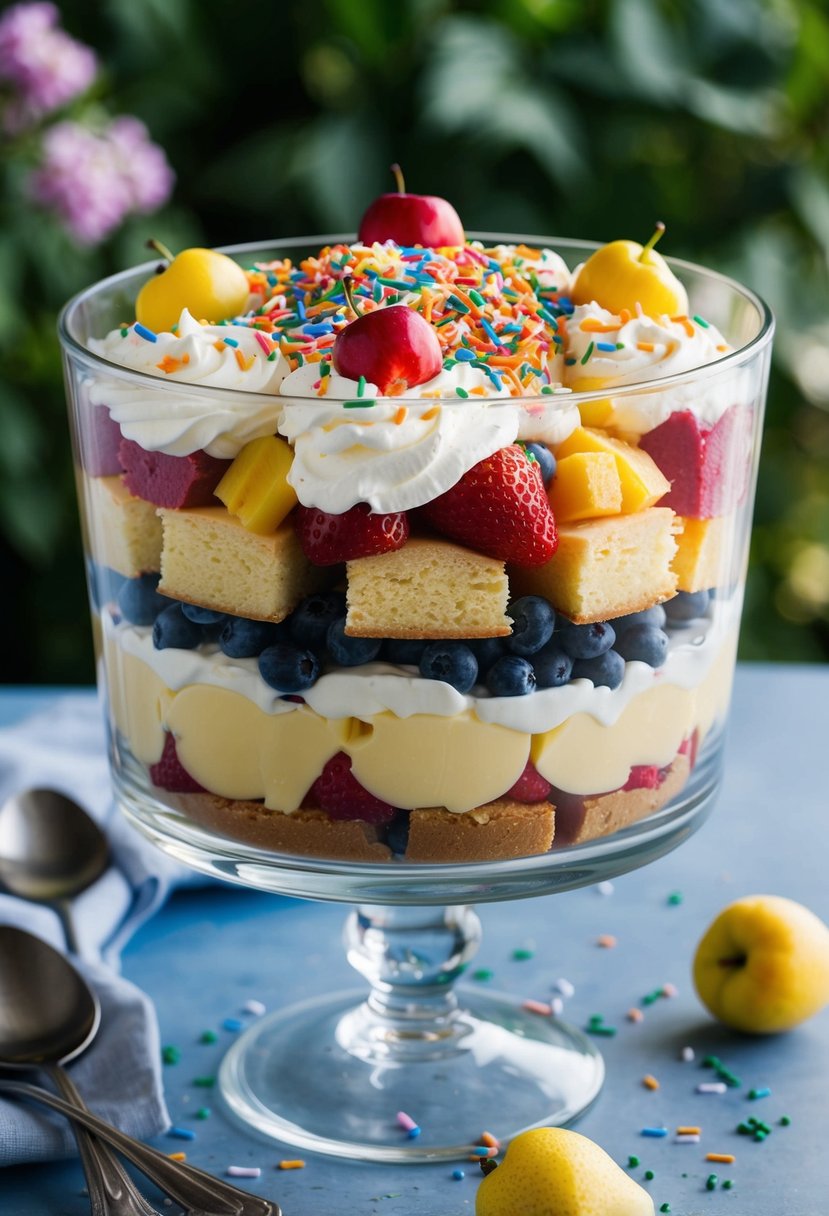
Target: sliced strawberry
x=338 y=792
x=689 y=748
x=170 y=774
x=644 y=777
x=329 y=539
x=500 y=508
x=530 y=786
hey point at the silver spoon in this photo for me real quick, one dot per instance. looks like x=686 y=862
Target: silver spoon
x=50 y=851
x=48 y=1016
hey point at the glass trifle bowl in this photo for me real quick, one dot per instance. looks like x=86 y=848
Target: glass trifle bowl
x=468 y=638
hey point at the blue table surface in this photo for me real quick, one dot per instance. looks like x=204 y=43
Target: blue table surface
x=210 y=950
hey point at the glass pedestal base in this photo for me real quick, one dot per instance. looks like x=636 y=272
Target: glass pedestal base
x=493 y=1067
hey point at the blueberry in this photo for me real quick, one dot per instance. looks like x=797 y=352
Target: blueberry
x=487 y=651
x=586 y=641
x=138 y=600
x=397 y=833
x=545 y=458
x=350 y=652
x=606 y=670
x=288 y=669
x=643 y=644
x=534 y=620
x=244 y=639
x=452 y=662
x=552 y=666
x=172 y=629
x=104 y=584
x=511 y=676
x=202 y=616
x=310 y=620
x=648 y=616
x=687 y=606
x=405 y=651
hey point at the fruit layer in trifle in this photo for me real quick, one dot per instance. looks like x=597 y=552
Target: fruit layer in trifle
x=401 y=593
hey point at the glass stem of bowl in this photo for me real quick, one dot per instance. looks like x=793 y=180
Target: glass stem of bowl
x=411 y=956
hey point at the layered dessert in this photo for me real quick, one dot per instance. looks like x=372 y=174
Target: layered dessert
x=415 y=547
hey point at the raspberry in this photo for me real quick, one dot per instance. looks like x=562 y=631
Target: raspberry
x=170 y=774
x=530 y=786
x=338 y=792
x=644 y=777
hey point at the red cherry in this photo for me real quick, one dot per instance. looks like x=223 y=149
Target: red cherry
x=394 y=348
x=411 y=219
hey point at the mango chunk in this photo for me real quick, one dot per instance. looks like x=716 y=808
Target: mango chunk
x=698 y=563
x=586 y=485
x=255 y=488
x=642 y=482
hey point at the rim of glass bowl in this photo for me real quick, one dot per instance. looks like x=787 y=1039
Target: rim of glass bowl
x=562 y=245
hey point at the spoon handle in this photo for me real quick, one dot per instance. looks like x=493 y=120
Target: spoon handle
x=197 y=1191
x=111 y=1190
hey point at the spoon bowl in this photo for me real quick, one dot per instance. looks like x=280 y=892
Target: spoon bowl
x=50 y=851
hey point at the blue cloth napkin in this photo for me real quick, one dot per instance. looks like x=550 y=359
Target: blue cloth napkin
x=63 y=747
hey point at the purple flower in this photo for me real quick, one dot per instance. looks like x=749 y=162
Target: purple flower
x=92 y=182
x=44 y=66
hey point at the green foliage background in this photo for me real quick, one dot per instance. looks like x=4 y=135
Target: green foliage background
x=585 y=118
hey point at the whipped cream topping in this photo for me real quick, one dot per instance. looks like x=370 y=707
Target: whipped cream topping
x=394 y=454
x=604 y=351
x=376 y=688
x=221 y=356
x=548 y=267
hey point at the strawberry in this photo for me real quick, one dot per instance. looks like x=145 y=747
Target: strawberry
x=329 y=539
x=500 y=508
x=170 y=774
x=644 y=777
x=530 y=786
x=338 y=792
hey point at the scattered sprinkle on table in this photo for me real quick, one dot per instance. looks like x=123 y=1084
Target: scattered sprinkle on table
x=635 y=1015
x=785 y=1120
x=633 y=1161
x=232 y=1024
x=458 y=1174
x=669 y=990
x=181 y=1133
x=243 y=1171
x=293 y=1164
x=170 y=1055
x=720 y=1158
x=605 y=888
x=650 y=1082
x=539 y=1007
x=556 y=1006
x=254 y=1007
x=208 y=1036
x=711 y=1182
x=565 y=988
x=655 y=1133
x=674 y=899
x=203 y=1112
x=176 y=1156
x=483 y=1150
x=688 y=1130
x=607 y=941
x=666 y=1207
x=405 y=1121
x=204 y=1082
x=489 y=1140
x=523 y=954
x=728 y=1184
x=764 y=1092
x=687 y=1138
x=482 y=974
x=649 y=1175
x=712 y=1087
x=687 y=1054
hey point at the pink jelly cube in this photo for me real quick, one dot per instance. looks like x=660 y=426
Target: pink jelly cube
x=707 y=467
x=171 y=481
x=100 y=439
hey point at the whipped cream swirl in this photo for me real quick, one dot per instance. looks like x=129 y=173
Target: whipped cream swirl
x=181 y=422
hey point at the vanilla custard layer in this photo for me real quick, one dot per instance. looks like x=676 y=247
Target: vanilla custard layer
x=237 y=749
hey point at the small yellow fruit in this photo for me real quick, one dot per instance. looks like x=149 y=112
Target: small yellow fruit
x=762 y=966
x=586 y=485
x=642 y=482
x=623 y=274
x=209 y=284
x=553 y=1172
x=255 y=488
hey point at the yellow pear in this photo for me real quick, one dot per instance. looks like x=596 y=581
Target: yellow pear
x=553 y=1172
x=212 y=286
x=762 y=966
x=622 y=274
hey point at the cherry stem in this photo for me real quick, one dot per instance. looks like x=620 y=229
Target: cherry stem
x=736 y=960
x=160 y=249
x=398 y=177
x=487 y=1165
x=348 y=288
x=660 y=228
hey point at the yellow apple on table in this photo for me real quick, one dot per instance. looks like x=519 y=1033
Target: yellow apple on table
x=209 y=284
x=552 y=1172
x=762 y=966
x=622 y=274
